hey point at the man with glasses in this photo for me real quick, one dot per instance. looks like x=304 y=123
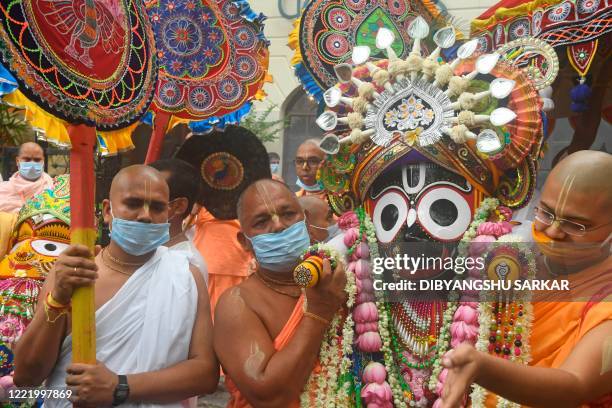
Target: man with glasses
x=571 y=341
x=308 y=159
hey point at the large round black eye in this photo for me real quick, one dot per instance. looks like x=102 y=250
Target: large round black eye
x=389 y=215
x=443 y=212
x=50 y=247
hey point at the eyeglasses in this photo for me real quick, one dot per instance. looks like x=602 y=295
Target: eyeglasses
x=567 y=226
x=311 y=161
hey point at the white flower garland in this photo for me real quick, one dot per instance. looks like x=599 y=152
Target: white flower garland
x=322 y=386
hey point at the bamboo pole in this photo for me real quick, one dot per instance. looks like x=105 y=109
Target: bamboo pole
x=82 y=231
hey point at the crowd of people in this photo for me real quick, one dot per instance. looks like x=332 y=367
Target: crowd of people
x=172 y=270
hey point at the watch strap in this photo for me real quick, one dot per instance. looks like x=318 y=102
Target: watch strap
x=122 y=391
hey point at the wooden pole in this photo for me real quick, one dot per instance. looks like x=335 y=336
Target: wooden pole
x=157 y=138
x=82 y=231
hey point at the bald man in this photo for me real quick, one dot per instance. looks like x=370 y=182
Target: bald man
x=571 y=342
x=28 y=181
x=153 y=326
x=267 y=332
x=308 y=159
x=320 y=219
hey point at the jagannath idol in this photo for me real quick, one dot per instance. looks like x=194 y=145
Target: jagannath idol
x=41 y=232
x=438 y=145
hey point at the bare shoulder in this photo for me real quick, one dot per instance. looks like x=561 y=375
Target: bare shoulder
x=235 y=304
x=197 y=276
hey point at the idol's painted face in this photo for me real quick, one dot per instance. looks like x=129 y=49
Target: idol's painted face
x=36 y=245
x=420 y=202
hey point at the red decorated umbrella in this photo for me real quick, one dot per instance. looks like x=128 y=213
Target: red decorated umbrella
x=581 y=33
x=82 y=66
x=213 y=60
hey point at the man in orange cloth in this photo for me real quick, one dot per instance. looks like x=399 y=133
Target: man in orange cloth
x=29 y=181
x=227 y=262
x=153 y=327
x=308 y=159
x=571 y=342
x=268 y=332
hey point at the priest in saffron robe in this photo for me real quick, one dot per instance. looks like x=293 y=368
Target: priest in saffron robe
x=153 y=327
x=267 y=332
x=571 y=342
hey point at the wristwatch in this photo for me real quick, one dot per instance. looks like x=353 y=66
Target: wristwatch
x=122 y=391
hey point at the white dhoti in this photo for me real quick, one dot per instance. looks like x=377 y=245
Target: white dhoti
x=146 y=326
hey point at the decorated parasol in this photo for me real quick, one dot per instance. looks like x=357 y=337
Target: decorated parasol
x=82 y=66
x=213 y=61
x=580 y=31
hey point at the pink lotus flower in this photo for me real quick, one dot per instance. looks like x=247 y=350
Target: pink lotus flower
x=362 y=251
x=462 y=333
x=369 y=342
x=466 y=314
x=480 y=244
x=364 y=297
x=496 y=229
x=365 y=312
x=377 y=395
x=361 y=328
x=365 y=285
x=348 y=220
x=362 y=269
x=350 y=236
x=374 y=373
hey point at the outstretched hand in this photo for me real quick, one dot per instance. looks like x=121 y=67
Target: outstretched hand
x=462 y=365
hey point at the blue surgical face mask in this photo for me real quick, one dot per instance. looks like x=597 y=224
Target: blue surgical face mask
x=314 y=187
x=30 y=170
x=332 y=231
x=280 y=251
x=138 y=238
x=274 y=167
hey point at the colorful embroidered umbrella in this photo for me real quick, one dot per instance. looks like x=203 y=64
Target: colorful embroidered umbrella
x=213 y=60
x=581 y=33
x=327 y=31
x=87 y=65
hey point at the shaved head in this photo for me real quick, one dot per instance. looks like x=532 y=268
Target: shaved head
x=138 y=193
x=128 y=177
x=313 y=205
x=579 y=188
x=588 y=171
x=259 y=187
x=319 y=216
x=308 y=159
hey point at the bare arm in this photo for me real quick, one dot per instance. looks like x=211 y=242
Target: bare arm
x=38 y=349
x=582 y=377
x=251 y=361
x=266 y=377
x=195 y=376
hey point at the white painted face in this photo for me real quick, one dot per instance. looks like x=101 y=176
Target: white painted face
x=421 y=202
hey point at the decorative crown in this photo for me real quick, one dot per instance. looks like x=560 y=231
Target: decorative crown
x=477 y=115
